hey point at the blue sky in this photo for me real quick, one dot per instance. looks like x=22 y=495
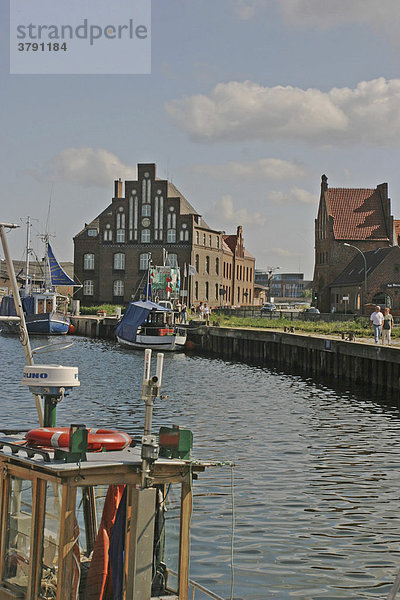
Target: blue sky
x=249 y=102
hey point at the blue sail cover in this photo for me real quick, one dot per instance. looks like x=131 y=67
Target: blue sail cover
x=57 y=273
x=135 y=315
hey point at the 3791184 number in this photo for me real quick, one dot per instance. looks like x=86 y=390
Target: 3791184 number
x=42 y=47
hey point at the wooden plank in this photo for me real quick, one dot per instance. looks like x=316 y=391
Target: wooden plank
x=65 y=556
x=39 y=503
x=128 y=543
x=184 y=540
x=5 y=492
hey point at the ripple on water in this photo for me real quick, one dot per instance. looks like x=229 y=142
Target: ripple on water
x=316 y=471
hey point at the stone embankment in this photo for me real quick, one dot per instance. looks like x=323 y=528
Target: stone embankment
x=352 y=362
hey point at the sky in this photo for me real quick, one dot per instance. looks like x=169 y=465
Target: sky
x=248 y=103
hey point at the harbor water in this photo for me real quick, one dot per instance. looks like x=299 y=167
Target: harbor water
x=316 y=482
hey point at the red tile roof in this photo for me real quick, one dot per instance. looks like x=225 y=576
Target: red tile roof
x=357 y=214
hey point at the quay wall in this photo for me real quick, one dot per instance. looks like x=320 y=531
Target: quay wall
x=348 y=362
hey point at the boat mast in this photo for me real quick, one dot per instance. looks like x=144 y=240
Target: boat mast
x=28 y=251
x=47 y=274
x=20 y=312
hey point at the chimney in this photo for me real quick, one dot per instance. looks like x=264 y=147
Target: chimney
x=118 y=188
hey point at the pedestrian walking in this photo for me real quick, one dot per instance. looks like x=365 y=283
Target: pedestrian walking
x=387 y=326
x=207 y=312
x=376 y=321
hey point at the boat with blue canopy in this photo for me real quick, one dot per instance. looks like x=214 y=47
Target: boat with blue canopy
x=147 y=324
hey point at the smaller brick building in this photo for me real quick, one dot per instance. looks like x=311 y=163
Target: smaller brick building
x=359 y=217
x=383 y=282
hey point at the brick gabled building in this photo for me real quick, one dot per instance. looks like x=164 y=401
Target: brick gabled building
x=381 y=274
x=150 y=215
x=361 y=217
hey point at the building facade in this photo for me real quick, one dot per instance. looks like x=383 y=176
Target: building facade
x=359 y=217
x=150 y=219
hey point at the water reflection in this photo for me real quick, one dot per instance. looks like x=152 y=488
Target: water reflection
x=317 y=492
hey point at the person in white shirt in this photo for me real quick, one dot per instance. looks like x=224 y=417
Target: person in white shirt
x=376 y=320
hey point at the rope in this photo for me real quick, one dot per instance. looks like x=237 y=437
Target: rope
x=224 y=463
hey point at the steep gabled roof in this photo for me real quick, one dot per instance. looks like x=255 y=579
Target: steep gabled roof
x=357 y=214
x=185 y=207
x=354 y=273
x=230 y=241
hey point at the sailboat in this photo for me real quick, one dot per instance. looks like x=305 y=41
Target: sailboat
x=45 y=309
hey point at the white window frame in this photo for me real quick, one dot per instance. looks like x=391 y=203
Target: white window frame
x=118 y=288
x=88 y=261
x=119 y=261
x=88 y=287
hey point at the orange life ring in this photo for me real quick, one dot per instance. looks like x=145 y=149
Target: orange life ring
x=98 y=439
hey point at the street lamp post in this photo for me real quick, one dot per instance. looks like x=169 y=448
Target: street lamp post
x=270 y=272
x=365 y=269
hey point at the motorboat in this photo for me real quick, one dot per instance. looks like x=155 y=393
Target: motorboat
x=83 y=510
x=147 y=324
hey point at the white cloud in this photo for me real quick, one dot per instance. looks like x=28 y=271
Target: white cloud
x=294 y=196
x=328 y=13
x=84 y=166
x=381 y=15
x=283 y=252
x=245 y=111
x=273 y=169
x=224 y=213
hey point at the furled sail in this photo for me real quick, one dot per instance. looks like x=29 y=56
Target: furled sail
x=57 y=273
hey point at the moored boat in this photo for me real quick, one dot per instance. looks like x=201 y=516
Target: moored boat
x=83 y=511
x=146 y=324
x=45 y=310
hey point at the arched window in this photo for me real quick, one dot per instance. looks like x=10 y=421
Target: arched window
x=217 y=266
x=171 y=225
x=184 y=233
x=217 y=242
x=119 y=261
x=88 y=262
x=197 y=238
x=118 y=288
x=216 y=291
x=145 y=236
x=206 y=294
x=144 y=261
x=209 y=240
x=197 y=263
x=108 y=233
x=88 y=288
x=196 y=290
x=204 y=239
x=207 y=264
x=172 y=260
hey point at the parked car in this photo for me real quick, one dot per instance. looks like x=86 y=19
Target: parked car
x=312 y=309
x=268 y=307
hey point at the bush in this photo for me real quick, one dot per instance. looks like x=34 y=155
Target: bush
x=93 y=310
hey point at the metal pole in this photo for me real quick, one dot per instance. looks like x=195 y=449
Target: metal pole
x=23 y=332
x=28 y=249
x=365 y=270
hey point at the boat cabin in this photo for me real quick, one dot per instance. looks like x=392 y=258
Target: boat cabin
x=88 y=530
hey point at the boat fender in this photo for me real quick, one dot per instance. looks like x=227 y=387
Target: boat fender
x=98 y=439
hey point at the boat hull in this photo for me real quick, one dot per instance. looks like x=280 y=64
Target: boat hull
x=166 y=343
x=41 y=324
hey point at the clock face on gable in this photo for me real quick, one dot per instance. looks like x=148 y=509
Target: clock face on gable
x=145 y=222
